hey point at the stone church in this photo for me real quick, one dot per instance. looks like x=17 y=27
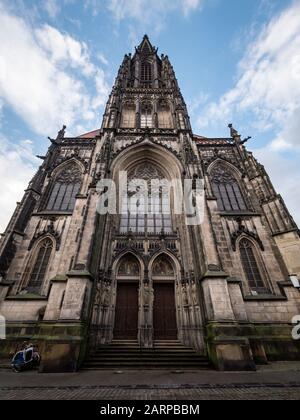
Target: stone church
x=84 y=285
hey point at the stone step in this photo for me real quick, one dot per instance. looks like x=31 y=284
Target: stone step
x=126 y=354
x=145 y=358
x=143 y=350
x=143 y=363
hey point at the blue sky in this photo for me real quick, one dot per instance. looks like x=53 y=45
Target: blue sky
x=236 y=61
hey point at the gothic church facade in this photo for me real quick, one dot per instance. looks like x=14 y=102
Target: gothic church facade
x=74 y=280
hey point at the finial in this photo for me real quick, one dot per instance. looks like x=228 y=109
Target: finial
x=233 y=131
x=61 y=133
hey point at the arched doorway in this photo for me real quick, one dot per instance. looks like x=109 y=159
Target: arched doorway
x=164 y=308
x=126 y=313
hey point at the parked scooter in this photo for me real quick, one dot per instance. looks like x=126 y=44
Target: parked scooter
x=26 y=359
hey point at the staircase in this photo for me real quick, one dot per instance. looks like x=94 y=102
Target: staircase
x=126 y=355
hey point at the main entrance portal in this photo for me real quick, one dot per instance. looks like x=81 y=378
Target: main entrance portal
x=126 y=318
x=164 y=312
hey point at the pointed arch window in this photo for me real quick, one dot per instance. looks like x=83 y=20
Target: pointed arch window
x=142 y=216
x=227 y=190
x=181 y=120
x=128 y=116
x=146 y=73
x=164 y=116
x=40 y=267
x=146 y=116
x=251 y=267
x=65 y=189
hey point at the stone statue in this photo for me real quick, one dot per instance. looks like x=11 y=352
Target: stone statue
x=105 y=295
x=147 y=294
x=233 y=132
x=194 y=293
x=61 y=133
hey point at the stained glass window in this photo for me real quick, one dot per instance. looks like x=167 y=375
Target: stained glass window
x=251 y=268
x=148 y=212
x=227 y=190
x=65 y=189
x=146 y=116
x=146 y=73
x=39 y=270
x=128 y=116
x=164 y=116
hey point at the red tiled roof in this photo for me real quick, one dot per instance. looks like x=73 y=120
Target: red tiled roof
x=90 y=135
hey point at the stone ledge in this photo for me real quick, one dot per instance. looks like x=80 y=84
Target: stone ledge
x=80 y=273
x=6 y=283
x=283 y=232
x=214 y=274
x=251 y=298
x=28 y=296
x=60 y=278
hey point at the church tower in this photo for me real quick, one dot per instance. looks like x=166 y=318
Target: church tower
x=76 y=280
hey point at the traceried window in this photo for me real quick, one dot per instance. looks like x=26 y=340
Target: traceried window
x=251 y=267
x=146 y=116
x=181 y=120
x=146 y=73
x=40 y=267
x=164 y=116
x=146 y=212
x=128 y=116
x=112 y=119
x=227 y=190
x=65 y=189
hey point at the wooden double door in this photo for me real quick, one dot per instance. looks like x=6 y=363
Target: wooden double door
x=127 y=312
x=127 y=308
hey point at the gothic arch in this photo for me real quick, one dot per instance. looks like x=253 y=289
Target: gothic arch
x=170 y=166
x=33 y=259
x=173 y=260
x=263 y=284
x=227 y=186
x=164 y=115
x=243 y=232
x=68 y=161
x=118 y=260
x=65 y=183
x=128 y=115
x=231 y=167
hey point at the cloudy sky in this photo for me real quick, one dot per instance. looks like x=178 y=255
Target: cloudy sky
x=237 y=61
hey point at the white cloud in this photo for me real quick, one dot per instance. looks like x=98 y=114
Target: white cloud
x=17 y=166
x=62 y=48
x=38 y=78
x=285 y=175
x=145 y=11
x=267 y=94
x=268 y=84
x=52 y=7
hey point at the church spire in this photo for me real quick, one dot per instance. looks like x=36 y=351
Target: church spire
x=145 y=47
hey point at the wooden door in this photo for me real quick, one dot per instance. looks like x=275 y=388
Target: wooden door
x=126 y=318
x=164 y=312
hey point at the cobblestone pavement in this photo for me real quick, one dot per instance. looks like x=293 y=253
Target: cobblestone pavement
x=179 y=393
x=277 y=381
